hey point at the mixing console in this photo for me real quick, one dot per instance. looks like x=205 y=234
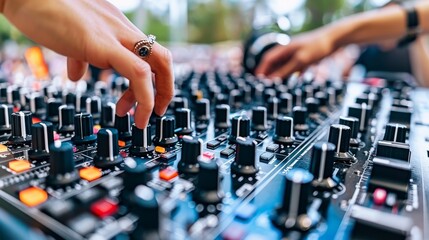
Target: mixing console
x=234 y=158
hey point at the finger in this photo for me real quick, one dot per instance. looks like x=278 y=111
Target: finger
x=290 y=67
x=273 y=58
x=76 y=69
x=125 y=103
x=139 y=74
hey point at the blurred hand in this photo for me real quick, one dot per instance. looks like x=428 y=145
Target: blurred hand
x=304 y=50
x=96 y=32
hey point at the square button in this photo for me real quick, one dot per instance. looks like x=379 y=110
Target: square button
x=59 y=209
x=19 y=165
x=168 y=174
x=89 y=196
x=83 y=224
x=33 y=196
x=266 y=157
x=213 y=144
x=90 y=173
x=104 y=208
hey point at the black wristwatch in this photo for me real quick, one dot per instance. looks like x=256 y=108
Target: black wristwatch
x=413 y=29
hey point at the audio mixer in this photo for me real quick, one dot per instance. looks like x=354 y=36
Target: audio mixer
x=235 y=157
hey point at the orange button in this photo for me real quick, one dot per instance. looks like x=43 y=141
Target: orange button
x=33 y=196
x=90 y=173
x=36 y=120
x=159 y=149
x=3 y=148
x=168 y=174
x=121 y=143
x=19 y=165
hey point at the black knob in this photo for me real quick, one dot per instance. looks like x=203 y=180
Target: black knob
x=207 y=189
x=38 y=105
x=297 y=97
x=145 y=205
x=179 y=102
x=273 y=108
x=183 y=121
x=395 y=132
x=202 y=109
x=309 y=91
x=52 y=110
x=339 y=135
x=369 y=99
x=107 y=119
x=141 y=141
x=240 y=128
x=93 y=106
x=353 y=124
x=284 y=130
x=62 y=171
x=12 y=95
x=300 y=118
x=222 y=116
x=191 y=150
x=66 y=119
x=331 y=96
x=322 y=98
x=123 y=125
x=286 y=103
x=165 y=135
x=312 y=105
x=5 y=119
x=292 y=214
x=245 y=158
x=259 y=119
x=84 y=129
x=21 y=128
x=322 y=165
x=70 y=99
x=135 y=174
x=269 y=93
x=107 y=148
x=42 y=137
x=361 y=112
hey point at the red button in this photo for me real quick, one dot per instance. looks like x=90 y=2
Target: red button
x=104 y=208
x=168 y=174
x=208 y=155
x=379 y=196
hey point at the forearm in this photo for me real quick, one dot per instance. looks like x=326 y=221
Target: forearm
x=420 y=60
x=2 y=5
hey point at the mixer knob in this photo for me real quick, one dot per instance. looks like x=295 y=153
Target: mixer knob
x=361 y=112
x=273 y=108
x=62 y=171
x=323 y=100
x=235 y=98
x=12 y=95
x=339 y=135
x=93 y=106
x=312 y=105
x=245 y=158
x=207 y=189
x=222 y=116
x=259 y=119
x=42 y=136
x=38 y=105
x=52 y=110
x=395 y=132
x=165 y=135
x=107 y=119
x=309 y=91
x=284 y=131
x=183 y=121
x=300 y=118
x=331 y=96
x=5 y=119
x=84 y=129
x=369 y=99
x=202 y=110
x=191 y=150
x=66 y=119
x=135 y=174
x=297 y=97
x=240 y=128
x=70 y=99
x=123 y=125
x=141 y=141
x=292 y=214
x=322 y=165
x=179 y=102
x=145 y=205
x=21 y=128
x=353 y=124
x=286 y=103
x=269 y=93
x=107 y=148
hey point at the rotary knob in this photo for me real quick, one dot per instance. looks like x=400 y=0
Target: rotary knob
x=395 y=132
x=207 y=190
x=300 y=118
x=66 y=119
x=292 y=214
x=259 y=119
x=123 y=125
x=93 y=106
x=245 y=158
x=179 y=102
x=42 y=136
x=107 y=119
x=70 y=99
x=165 y=135
x=273 y=108
x=141 y=141
x=107 y=148
x=322 y=165
x=284 y=131
x=191 y=150
x=38 y=105
x=183 y=121
x=21 y=128
x=361 y=112
x=353 y=124
x=240 y=128
x=62 y=171
x=323 y=100
x=202 y=110
x=5 y=120
x=339 y=135
x=312 y=105
x=286 y=103
x=297 y=97
x=84 y=129
x=135 y=174
x=53 y=110
x=222 y=116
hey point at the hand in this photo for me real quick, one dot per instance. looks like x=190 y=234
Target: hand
x=96 y=32
x=301 y=52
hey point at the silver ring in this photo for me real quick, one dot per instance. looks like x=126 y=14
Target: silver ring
x=143 y=48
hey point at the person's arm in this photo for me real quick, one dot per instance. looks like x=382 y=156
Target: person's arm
x=310 y=47
x=419 y=56
x=96 y=32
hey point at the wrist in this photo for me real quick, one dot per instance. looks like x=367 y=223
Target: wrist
x=2 y=4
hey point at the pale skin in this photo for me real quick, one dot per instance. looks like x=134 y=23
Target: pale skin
x=369 y=27
x=96 y=32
